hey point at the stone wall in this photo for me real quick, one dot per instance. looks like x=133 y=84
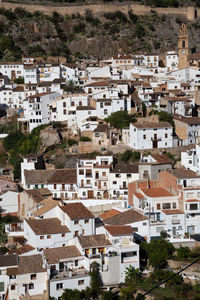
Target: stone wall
x=98 y=9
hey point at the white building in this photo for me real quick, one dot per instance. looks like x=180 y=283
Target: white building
x=171 y=60
x=191 y=159
x=9 y=202
x=37 y=110
x=151 y=135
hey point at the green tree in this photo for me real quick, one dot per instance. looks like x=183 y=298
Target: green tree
x=183 y=252
x=95 y=278
x=19 y=80
x=128 y=292
x=120 y=119
x=70 y=294
x=132 y=275
x=158 y=253
x=144 y=109
x=71 y=87
x=108 y=295
x=126 y=155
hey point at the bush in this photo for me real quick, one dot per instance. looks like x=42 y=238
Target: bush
x=183 y=252
x=19 y=80
x=120 y=119
x=85 y=139
x=71 y=142
x=126 y=155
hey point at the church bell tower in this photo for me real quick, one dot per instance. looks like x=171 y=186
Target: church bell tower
x=183 y=47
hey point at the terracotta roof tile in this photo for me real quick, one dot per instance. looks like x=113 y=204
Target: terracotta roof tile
x=93 y=241
x=187 y=120
x=183 y=173
x=117 y=230
x=22 y=249
x=98 y=83
x=173 y=211
x=156 y=192
x=152 y=125
x=77 y=211
x=31 y=264
x=8 y=260
x=125 y=168
x=192 y=200
x=53 y=255
x=139 y=195
x=47 y=226
x=47 y=204
x=127 y=217
x=109 y=213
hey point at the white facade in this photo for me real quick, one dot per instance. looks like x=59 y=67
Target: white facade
x=9 y=202
x=150 y=136
x=191 y=159
x=171 y=61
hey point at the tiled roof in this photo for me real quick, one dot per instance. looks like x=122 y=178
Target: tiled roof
x=139 y=195
x=59 y=176
x=47 y=204
x=161 y=159
x=38 y=194
x=125 y=168
x=102 y=128
x=22 y=249
x=127 y=217
x=109 y=213
x=173 y=211
x=47 y=226
x=152 y=125
x=183 y=173
x=156 y=192
x=117 y=230
x=53 y=255
x=124 y=56
x=31 y=264
x=192 y=200
x=8 y=260
x=187 y=120
x=93 y=241
x=77 y=211
x=98 y=83
x=40 y=95
x=87 y=107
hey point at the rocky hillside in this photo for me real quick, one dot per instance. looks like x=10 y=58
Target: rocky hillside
x=76 y=36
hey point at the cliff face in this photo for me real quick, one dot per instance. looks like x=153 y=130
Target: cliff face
x=76 y=36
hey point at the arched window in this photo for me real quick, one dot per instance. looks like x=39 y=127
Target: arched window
x=183 y=44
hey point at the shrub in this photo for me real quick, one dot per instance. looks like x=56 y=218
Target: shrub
x=71 y=142
x=85 y=139
x=183 y=252
x=126 y=155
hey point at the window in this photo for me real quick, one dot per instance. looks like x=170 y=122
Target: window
x=76 y=222
x=114 y=182
x=166 y=205
x=135 y=229
x=128 y=175
x=86 y=221
x=64 y=112
x=54 y=186
x=64 y=104
x=59 y=286
x=81 y=172
x=76 y=263
x=144 y=136
x=193 y=206
x=144 y=223
x=31 y=286
x=80 y=282
x=174 y=204
x=12 y=287
x=33 y=276
x=63 y=234
x=42 y=237
x=158 y=205
x=166 y=135
x=48 y=236
x=117 y=175
x=76 y=233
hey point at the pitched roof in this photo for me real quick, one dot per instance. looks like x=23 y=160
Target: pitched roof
x=93 y=241
x=47 y=226
x=38 y=194
x=125 y=168
x=47 y=204
x=162 y=158
x=53 y=255
x=8 y=260
x=102 y=128
x=109 y=213
x=156 y=192
x=187 y=120
x=22 y=249
x=152 y=125
x=139 y=195
x=58 y=176
x=87 y=107
x=127 y=217
x=173 y=211
x=31 y=264
x=183 y=173
x=117 y=230
x=77 y=211
x=40 y=95
x=98 y=83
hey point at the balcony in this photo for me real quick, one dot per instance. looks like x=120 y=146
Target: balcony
x=103 y=178
x=85 y=185
x=68 y=273
x=176 y=221
x=102 y=188
x=123 y=187
x=156 y=139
